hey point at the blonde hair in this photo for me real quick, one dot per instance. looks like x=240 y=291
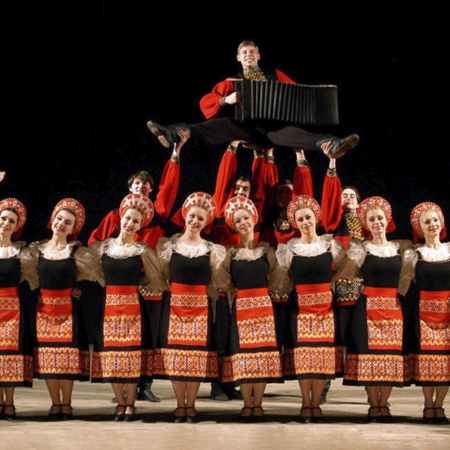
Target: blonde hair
x=247 y=44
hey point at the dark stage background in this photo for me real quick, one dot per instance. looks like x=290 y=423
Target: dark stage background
x=77 y=106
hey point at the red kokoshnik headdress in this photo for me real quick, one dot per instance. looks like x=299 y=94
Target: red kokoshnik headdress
x=203 y=200
x=143 y=203
x=20 y=210
x=415 y=217
x=76 y=208
x=376 y=203
x=303 y=201
x=236 y=203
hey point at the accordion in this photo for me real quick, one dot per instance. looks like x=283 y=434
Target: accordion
x=306 y=104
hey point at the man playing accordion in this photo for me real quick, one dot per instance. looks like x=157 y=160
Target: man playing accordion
x=219 y=105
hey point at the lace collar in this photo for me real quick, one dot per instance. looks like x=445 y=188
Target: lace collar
x=12 y=250
x=50 y=252
x=114 y=250
x=190 y=251
x=435 y=254
x=247 y=254
x=384 y=251
x=322 y=245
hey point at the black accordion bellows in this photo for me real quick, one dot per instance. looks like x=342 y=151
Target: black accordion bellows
x=305 y=104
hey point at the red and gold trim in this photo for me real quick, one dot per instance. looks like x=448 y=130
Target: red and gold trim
x=122 y=325
x=313 y=360
x=188 y=321
x=116 y=365
x=255 y=318
x=252 y=366
x=315 y=318
x=372 y=367
x=9 y=319
x=428 y=369
x=384 y=319
x=434 y=320
x=187 y=364
x=16 y=369
x=54 y=322
x=61 y=361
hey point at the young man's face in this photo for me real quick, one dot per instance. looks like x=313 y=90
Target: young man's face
x=349 y=200
x=284 y=195
x=141 y=187
x=248 y=56
x=242 y=188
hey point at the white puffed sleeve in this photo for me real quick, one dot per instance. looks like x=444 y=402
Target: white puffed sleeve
x=281 y=281
x=338 y=252
x=28 y=263
x=345 y=267
x=89 y=265
x=230 y=250
x=164 y=251
x=223 y=275
x=284 y=256
x=408 y=270
x=153 y=273
x=96 y=249
x=220 y=277
x=278 y=276
x=356 y=252
x=404 y=244
x=218 y=253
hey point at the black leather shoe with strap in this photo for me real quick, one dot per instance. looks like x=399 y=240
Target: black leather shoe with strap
x=66 y=411
x=373 y=414
x=258 y=414
x=439 y=416
x=317 y=415
x=428 y=417
x=385 y=415
x=179 y=415
x=54 y=413
x=191 y=414
x=9 y=412
x=119 y=413
x=130 y=416
x=305 y=414
x=246 y=415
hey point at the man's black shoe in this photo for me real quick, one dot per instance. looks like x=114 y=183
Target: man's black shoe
x=218 y=394
x=339 y=147
x=161 y=133
x=147 y=394
x=236 y=395
x=167 y=136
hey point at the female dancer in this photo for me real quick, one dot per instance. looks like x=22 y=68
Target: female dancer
x=311 y=355
x=376 y=355
x=61 y=353
x=16 y=349
x=187 y=354
x=254 y=357
x=122 y=261
x=428 y=264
